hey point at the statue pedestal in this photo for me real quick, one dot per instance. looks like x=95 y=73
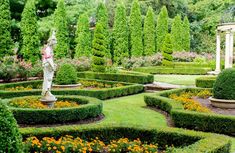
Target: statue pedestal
x=48 y=100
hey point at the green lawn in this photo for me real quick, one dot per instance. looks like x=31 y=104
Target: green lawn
x=177 y=79
x=131 y=110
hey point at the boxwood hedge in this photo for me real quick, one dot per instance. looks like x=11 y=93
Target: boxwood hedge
x=89 y=108
x=186 y=141
x=128 y=89
x=205 y=82
x=173 y=70
x=121 y=77
x=224 y=124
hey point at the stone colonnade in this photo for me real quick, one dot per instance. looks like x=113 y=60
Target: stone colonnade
x=229 y=29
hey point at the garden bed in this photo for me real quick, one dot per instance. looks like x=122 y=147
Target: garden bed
x=93 y=88
x=27 y=110
x=203 y=121
x=188 y=141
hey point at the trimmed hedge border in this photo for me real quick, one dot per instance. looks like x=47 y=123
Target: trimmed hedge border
x=121 y=77
x=224 y=124
x=173 y=70
x=190 y=141
x=205 y=82
x=89 y=108
x=102 y=94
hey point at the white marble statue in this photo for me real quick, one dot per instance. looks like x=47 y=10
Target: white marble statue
x=48 y=68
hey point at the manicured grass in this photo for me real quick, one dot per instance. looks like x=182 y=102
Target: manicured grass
x=177 y=79
x=131 y=110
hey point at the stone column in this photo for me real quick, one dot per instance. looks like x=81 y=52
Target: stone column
x=227 y=50
x=217 y=69
x=231 y=49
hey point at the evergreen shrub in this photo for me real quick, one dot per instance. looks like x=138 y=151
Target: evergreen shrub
x=224 y=86
x=10 y=138
x=66 y=75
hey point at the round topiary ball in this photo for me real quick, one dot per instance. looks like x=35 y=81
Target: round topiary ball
x=66 y=75
x=224 y=86
x=10 y=138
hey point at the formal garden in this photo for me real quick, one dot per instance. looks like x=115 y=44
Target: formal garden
x=100 y=76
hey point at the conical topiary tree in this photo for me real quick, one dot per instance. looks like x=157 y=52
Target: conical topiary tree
x=6 y=43
x=83 y=37
x=99 y=49
x=149 y=33
x=136 y=34
x=120 y=34
x=176 y=33
x=10 y=138
x=102 y=18
x=186 y=35
x=29 y=32
x=167 y=51
x=61 y=25
x=161 y=28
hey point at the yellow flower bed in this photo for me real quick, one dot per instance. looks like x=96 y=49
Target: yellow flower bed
x=189 y=103
x=35 y=103
x=69 y=144
x=19 y=88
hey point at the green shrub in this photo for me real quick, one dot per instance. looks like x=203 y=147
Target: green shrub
x=89 y=108
x=10 y=138
x=99 y=49
x=190 y=141
x=122 y=77
x=173 y=70
x=188 y=119
x=167 y=51
x=224 y=86
x=67 y=74
x=205 y=82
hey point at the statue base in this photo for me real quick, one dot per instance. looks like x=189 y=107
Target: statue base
x=48 y=100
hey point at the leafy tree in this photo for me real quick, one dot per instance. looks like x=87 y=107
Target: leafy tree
x=136 y=30
x=98 y=49
x=29 y=32
x=61 y=26
x=83 y=37
x=167 y=50
x=149 y=33
x=5 y=30
x=186 y=34
x=120 y=34
x=176 y=33
x=102 y=18
x=161 y=28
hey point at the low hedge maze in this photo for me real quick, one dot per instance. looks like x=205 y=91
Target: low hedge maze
x=102 y=94
x=89 y=108
x=207 y=122
x=185 y=141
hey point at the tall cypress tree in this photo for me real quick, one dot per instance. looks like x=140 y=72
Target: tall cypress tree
x=136 y=34
x=161 y=28
x=149 y=33
x=102 y=18
x=29 y=31
x=83 y=37
x=6 y=43
x=176 y=33
x=186 y=34
x=61 y=25
x=98 y=49
x=167 y=51
x=120 y=34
